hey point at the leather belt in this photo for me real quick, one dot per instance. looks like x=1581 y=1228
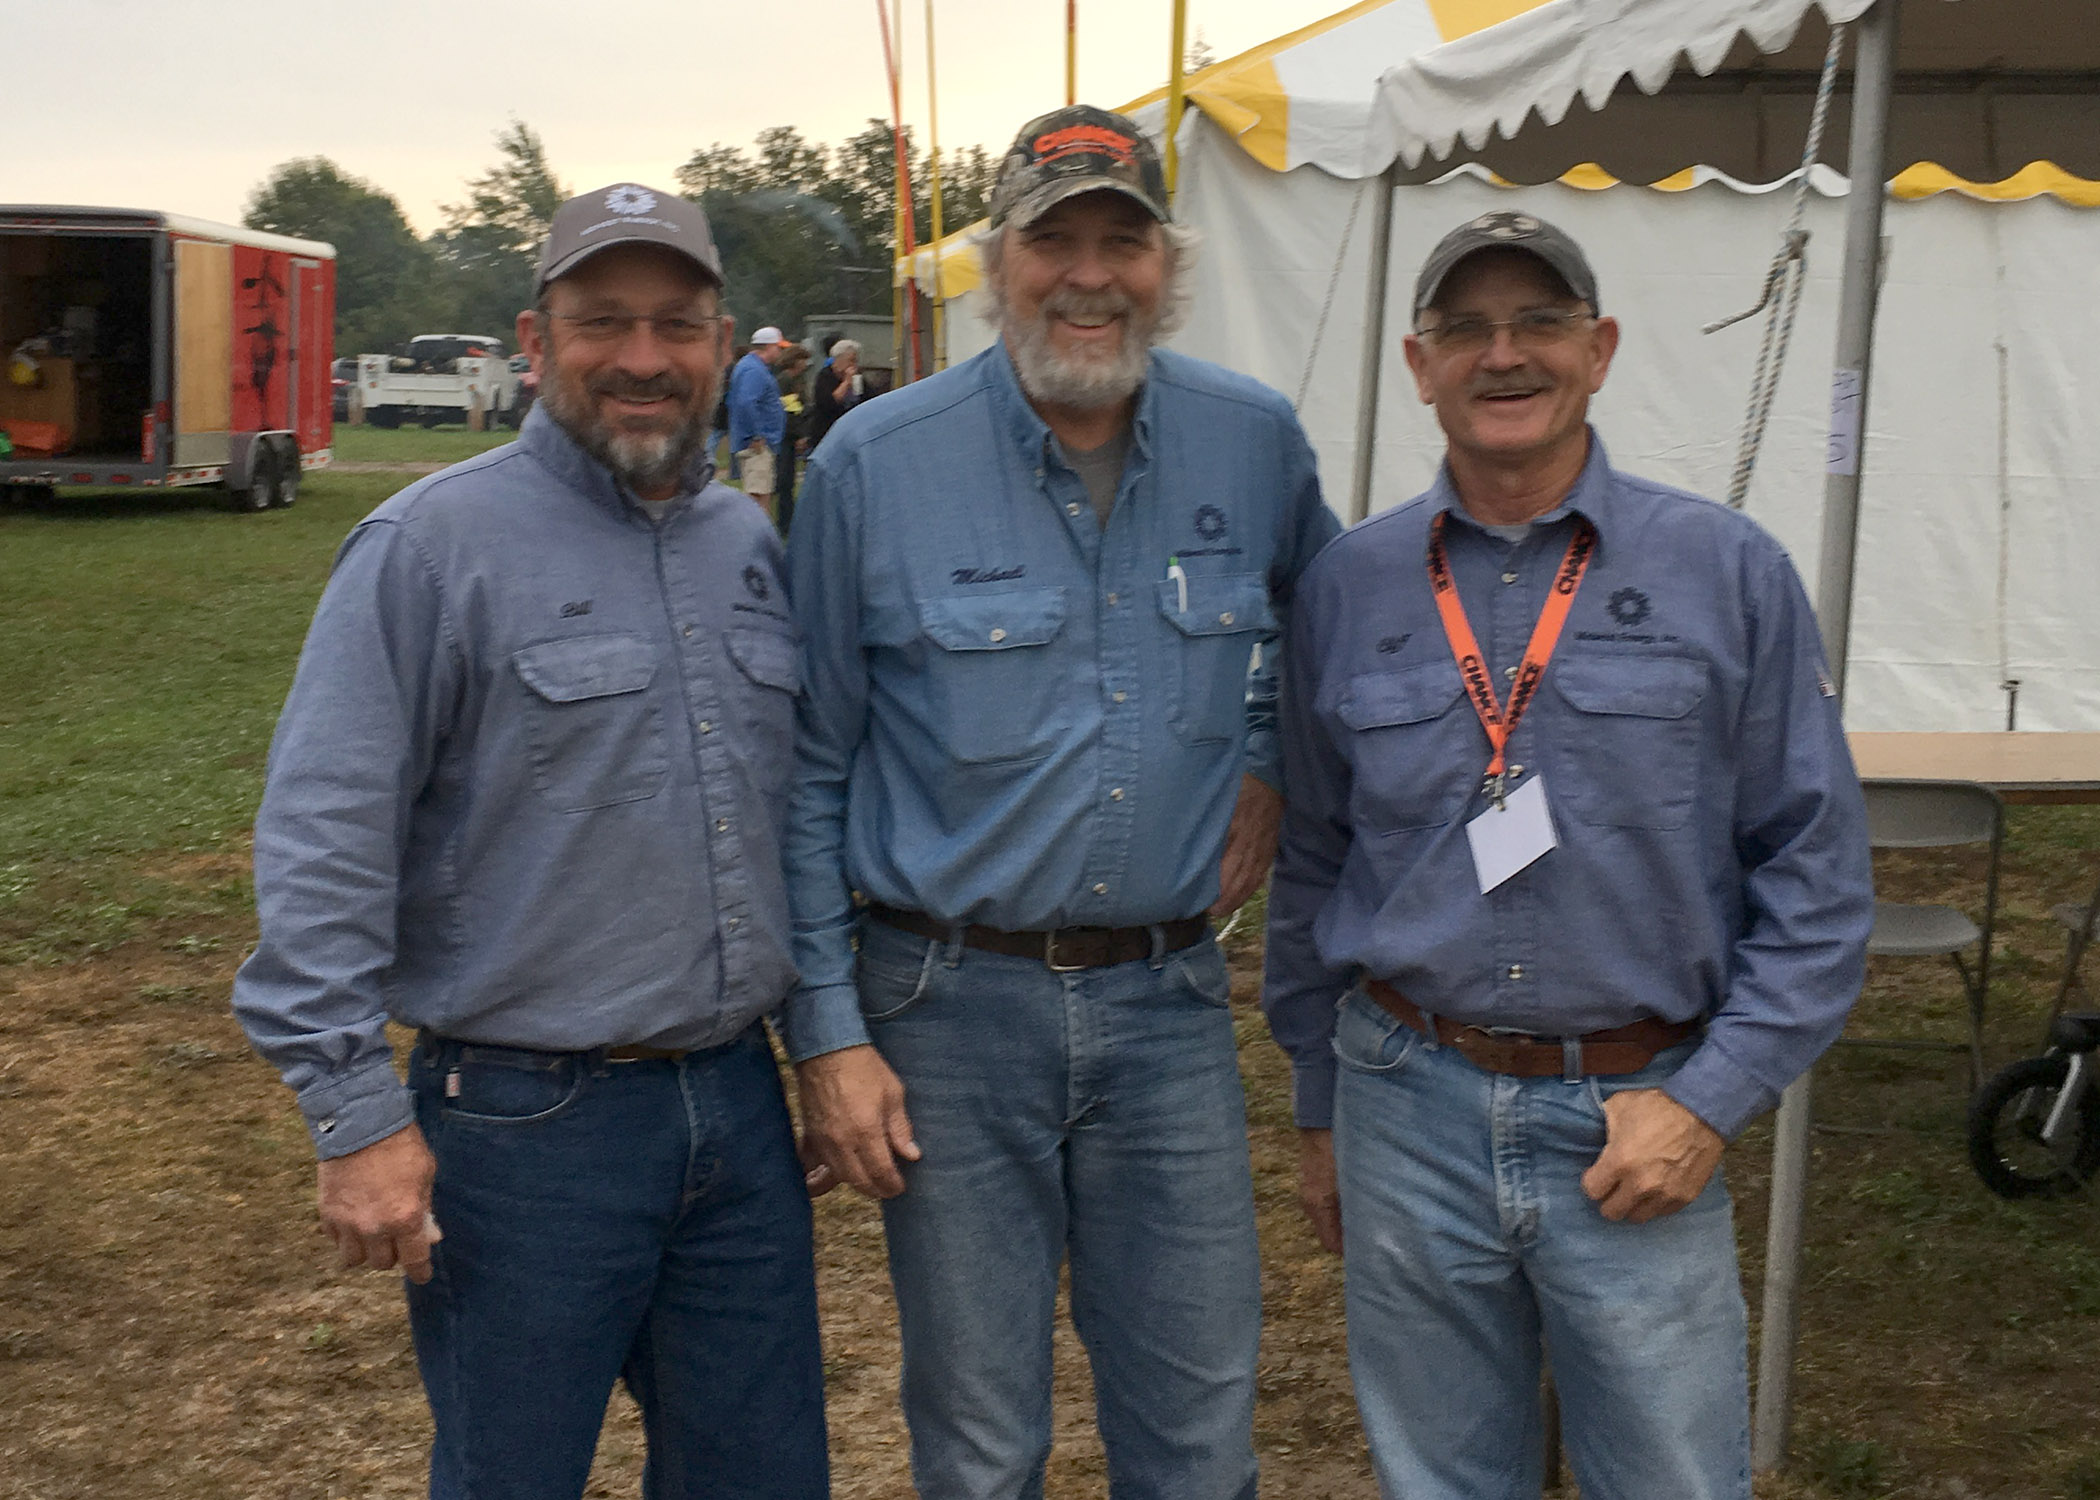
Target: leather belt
x=1622 y=1049
x=1063 y=949
x=430 y=1039
x=645 y=1054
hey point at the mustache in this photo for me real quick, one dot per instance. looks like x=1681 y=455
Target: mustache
x=654 y=388
x=1091 y=305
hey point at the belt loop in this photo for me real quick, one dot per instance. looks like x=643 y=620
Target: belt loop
x=595 y=1062
x=1429 y=1036
x=1571 y=1059
x=1158 y=957
x=952 y=950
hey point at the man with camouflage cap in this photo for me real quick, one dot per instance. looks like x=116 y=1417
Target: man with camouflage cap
x=1574 y=881
x=525 y=798
x=1029 y=589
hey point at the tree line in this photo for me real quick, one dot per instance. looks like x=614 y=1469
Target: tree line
x=803 y=228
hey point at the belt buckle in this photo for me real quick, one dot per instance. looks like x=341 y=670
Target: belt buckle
x=1050 y=955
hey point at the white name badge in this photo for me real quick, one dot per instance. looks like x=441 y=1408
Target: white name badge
x=1507 y=838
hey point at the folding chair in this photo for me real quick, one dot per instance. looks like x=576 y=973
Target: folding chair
x=2079 y=923
x=1935 y=815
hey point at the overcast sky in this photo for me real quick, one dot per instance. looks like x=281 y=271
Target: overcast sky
x=186 y=104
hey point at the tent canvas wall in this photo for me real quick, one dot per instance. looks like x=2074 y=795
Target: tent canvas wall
x=1975 y=551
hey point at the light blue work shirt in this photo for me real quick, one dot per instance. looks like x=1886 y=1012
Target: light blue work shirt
x=1015 y=717
x=755 y=409
x=529 y=784
x=1712 y=862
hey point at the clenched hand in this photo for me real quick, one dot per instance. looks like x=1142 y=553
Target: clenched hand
x=854 y=1128
x=375 y=1205
x=1657 y=1157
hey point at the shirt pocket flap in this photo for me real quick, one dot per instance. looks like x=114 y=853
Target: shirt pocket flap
x=1218 y=604
x=1649 y=687
x=767 y=657
x=1380 y=700
x=593 y=666
x=994 y=622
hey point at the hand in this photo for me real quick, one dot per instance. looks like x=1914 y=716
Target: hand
x=1250 y=845
x=1657 y=1157
x=854 y=1128
x=1317 y=1193
x=375 y=1205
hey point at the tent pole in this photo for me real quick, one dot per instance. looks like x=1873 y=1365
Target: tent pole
x=1873 y=80
x=1374 y=346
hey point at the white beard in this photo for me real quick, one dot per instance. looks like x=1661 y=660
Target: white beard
x=1087 y=380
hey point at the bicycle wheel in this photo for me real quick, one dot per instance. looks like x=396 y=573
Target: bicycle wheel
x=2005 y=1132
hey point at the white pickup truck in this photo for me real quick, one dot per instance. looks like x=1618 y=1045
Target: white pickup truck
x=439 y=377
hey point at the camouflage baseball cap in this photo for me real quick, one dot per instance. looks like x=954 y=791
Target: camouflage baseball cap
x=1505 y=230
x=1074 y=150
x=627 y=214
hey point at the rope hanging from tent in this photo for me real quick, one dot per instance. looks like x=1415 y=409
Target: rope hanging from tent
x=1334 y=280
x=1780 y=303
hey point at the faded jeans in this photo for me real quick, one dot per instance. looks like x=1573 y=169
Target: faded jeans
x=1094 y=1117
x=1471 y=1247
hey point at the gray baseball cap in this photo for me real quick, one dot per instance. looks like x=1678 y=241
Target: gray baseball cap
x=627 y=214
x=1506 y=230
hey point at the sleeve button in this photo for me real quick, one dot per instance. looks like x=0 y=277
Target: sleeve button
x=998 y=635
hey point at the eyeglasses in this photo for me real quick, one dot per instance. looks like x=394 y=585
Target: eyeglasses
x=612 y=328
x=1533 y=328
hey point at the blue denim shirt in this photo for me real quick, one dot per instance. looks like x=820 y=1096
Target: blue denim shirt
x=1713 y=859
x=1015 y=717
x=754 y=405
x=528 y=787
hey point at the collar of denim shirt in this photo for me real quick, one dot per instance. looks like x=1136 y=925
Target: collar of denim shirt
x=1033 y=434
x=1591 y=497
x=549 y=442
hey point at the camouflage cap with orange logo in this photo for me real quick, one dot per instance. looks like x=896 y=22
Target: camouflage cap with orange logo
x=1074 y=150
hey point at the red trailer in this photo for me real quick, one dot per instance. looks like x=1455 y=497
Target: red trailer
x=144 y=348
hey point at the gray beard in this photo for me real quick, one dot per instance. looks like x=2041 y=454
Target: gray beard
x=639 y=460
x=1081 y=383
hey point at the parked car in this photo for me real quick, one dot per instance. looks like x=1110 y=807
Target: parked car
x=342 y=380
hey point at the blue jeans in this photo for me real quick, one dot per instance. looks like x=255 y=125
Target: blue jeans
x=1094 y=1115
x=1469 y=1243
x=640 y=1221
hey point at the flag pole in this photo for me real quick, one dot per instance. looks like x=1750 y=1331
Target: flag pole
x=1071 y=51
x=1175 y=95
x=939 y=351
x=906 y=240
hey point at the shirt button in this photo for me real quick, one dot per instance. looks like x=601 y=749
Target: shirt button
x=1113 y=598
x=998 y=635
x=1100 y=888
x=1516 y=971
x=1070 y=510
x=707 y=726
x=687 y=631
x=734 y=923
x=1115 y=794
x=721 y=825
x=1120 y=695
x=1225 y=618
x=1509 y=578
x=1510 y=672
x=1516 y=771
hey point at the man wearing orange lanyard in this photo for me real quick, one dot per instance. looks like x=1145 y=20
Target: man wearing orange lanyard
x=1574 y=880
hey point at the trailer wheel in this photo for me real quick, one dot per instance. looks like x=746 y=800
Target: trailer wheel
x=289 y=474
x=434 y=418
x=383 y=416
x=265 y=479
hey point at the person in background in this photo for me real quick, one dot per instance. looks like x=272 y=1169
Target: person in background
x=525 y=799
x=1029 y=589
x=838 y=389
x=757 y=421
x=792 y=374
x=1574 y=881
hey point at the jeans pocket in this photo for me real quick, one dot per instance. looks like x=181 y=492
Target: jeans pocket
x=497 y=1086
x=889 y=984
x=1368 y=1040
x=1202 y=968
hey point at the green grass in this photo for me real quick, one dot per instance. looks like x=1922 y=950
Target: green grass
x=379 y=445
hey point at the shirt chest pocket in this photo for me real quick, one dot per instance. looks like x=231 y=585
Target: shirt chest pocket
x=1217 y=619
x=1415 y=747
x=992 y=679
x=1629 y=754
x=595 y=731
x=768 y=678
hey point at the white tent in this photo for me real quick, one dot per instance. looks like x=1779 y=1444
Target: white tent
x=1974 y=560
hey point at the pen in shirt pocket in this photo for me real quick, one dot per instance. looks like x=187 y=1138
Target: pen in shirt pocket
x=1180 y=580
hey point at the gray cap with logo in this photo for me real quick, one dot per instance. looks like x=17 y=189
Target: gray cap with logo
x=627 y=214
x=1506 y=230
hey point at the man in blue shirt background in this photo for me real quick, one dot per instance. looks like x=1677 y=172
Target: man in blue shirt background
x=1029 y=589
x=1530 y=1076
x=757 y=420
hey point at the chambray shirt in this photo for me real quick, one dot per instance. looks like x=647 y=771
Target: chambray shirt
x=1014 y=716
x=1712 y=861
x=528 y=786
x=755 y=409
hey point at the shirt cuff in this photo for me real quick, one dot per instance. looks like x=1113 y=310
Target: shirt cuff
x=823 y=1019
x=350 y=1113
x=1312 y=1093
x=1712 y=1087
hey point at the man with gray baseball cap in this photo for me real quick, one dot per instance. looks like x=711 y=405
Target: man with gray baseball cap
x=1573 y=881
x=525 y=799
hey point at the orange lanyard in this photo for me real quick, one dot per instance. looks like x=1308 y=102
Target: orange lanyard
x=1500 y=722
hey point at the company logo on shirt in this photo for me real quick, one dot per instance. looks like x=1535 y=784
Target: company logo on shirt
x=755 y=581
x=988 y=575
x=1210 y=522
x=575 y=608
x=1390 y=645
x=1630 y=607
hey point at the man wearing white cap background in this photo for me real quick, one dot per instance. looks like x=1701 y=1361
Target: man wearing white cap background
x=525 y=799
x=757 y=420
